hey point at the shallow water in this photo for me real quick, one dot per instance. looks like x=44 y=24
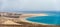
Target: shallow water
x=52 y=18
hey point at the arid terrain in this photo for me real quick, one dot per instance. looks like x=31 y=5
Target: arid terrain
x=16 y=20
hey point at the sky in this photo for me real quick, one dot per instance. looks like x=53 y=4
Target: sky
x=29 y=5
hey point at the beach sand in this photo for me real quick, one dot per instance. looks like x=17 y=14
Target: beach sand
x=33 y=24
x=22 y=20
x=31 y=15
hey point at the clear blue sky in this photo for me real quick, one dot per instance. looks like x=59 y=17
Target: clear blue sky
x=30 y=5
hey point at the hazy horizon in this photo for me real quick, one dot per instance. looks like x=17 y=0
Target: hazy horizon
x=29 y=5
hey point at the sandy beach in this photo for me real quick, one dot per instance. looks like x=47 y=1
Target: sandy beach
x=22 y=22
x=32 y=15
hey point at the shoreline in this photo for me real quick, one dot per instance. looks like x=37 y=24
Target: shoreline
x=24 y=19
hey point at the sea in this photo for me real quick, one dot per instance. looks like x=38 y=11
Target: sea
x=35 y=12
x=52 y=18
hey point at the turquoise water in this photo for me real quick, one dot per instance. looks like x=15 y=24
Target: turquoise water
x=50 y=19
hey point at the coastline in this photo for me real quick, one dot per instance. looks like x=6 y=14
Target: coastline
x=33 y=15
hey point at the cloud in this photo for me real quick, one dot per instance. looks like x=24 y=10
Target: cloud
x=31 y=5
